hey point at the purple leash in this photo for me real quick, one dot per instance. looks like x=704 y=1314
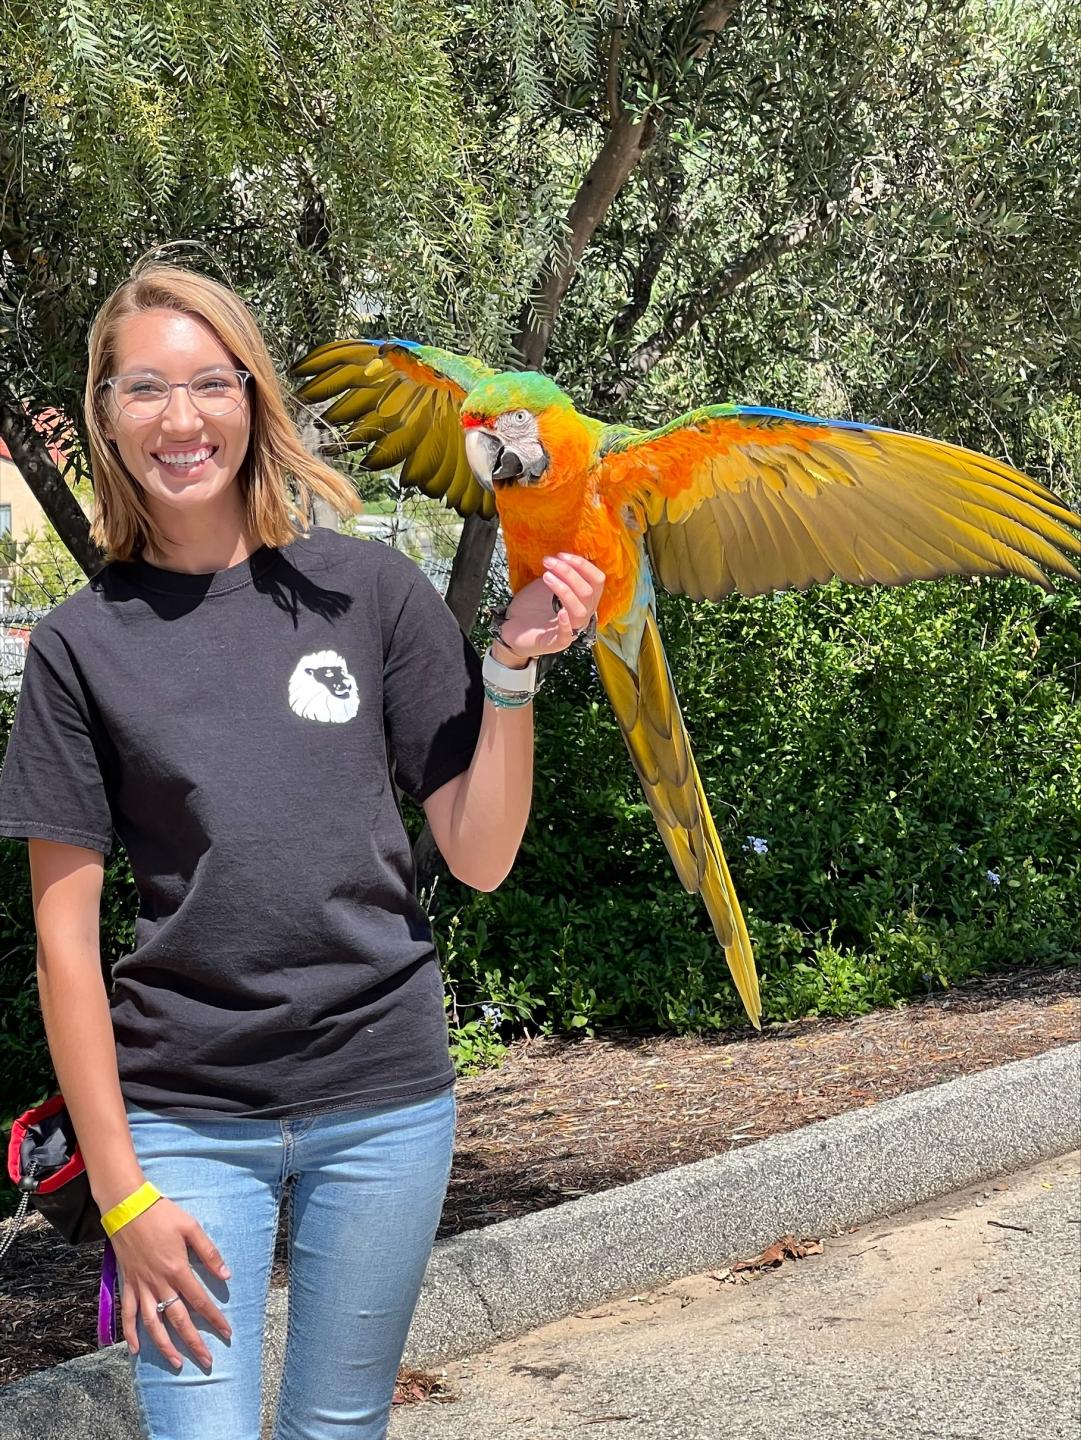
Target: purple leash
x=107 y=1298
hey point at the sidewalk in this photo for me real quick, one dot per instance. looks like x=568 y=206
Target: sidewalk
x=942 y=1324
x=507 y=1279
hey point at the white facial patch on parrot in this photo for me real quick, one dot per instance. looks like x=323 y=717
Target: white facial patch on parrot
x=518 y=431
x=516 y=425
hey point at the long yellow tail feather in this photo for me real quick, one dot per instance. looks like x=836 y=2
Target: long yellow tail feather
x=647 y=711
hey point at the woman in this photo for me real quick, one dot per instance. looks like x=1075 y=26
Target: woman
x=237 y=699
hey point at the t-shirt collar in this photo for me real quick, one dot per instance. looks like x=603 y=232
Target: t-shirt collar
x=215 y=582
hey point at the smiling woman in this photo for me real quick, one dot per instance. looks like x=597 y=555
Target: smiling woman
x=240 y=700
x=180 y=388
x=184 y=440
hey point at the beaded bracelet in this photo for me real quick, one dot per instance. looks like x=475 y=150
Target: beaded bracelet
x=504 y=700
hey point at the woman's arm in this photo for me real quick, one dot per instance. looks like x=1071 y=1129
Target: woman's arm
x=151 y=1249
x=67 y=884
x=478 y=818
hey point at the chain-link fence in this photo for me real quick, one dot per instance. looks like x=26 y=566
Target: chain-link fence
x=426 y=531
x=15 y=626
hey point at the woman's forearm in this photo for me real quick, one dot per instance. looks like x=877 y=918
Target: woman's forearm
x=492 y=802
x=480 y=830
x=75 y=1009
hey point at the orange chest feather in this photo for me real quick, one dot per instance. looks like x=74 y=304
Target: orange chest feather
x=557 y=515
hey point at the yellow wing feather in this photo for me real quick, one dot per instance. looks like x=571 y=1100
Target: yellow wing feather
x=401 y=401
x=647 y=711
x=756 y=501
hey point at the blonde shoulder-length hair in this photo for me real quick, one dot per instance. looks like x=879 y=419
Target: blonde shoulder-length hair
x=277 y=463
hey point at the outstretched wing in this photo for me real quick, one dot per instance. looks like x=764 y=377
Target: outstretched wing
x=402 y=400
x=754 y=500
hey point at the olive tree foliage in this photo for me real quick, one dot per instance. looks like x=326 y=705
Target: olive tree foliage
x=314 y=156
x=863 y=209
x=899 y=207
x=872 y=209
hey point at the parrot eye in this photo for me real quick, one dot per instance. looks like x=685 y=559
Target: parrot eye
x=520 y=416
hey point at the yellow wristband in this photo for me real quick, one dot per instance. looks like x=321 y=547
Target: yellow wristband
x=135 y=1204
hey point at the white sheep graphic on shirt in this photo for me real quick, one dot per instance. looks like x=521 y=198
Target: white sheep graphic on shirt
x=321 y=688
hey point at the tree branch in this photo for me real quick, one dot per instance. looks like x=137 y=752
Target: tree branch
x=690 y=311
x=615 y=55
x=712 y=18
x=625 y=144
x=665 y=229
x=30 y=453
x=313 y=235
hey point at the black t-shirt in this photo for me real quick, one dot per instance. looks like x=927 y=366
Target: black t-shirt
x=239 y=731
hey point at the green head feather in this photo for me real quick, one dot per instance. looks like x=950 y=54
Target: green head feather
x=514 y=390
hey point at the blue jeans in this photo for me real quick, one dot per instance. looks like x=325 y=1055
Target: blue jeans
x=370 y=1185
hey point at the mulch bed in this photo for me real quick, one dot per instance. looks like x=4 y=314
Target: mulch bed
x=568 y=1117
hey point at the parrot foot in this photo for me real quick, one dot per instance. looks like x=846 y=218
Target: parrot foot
x=587 y=636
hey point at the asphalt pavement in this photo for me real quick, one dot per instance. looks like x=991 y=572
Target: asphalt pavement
x=957 y=1320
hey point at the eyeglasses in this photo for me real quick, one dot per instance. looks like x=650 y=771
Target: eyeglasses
x=144 y=397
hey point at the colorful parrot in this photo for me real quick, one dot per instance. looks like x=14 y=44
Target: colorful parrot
x=725 y=498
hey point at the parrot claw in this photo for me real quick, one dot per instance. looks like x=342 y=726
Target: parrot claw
x=587 y=638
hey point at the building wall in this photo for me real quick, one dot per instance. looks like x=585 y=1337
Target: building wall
x=27 y=515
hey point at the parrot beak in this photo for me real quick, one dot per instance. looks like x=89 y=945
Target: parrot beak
x=483 y=450
x=495 y=464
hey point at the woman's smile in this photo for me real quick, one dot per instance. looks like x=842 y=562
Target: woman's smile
x=186 y=463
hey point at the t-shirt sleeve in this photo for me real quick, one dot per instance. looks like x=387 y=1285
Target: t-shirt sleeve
x=433 y=693
x=52 y=785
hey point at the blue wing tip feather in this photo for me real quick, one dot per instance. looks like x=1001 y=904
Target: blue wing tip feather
x=390 y=340
x=806 y=419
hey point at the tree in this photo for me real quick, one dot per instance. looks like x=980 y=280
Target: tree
x=856 y=209
x=860 y=210
x=864 y=207
x=259 y=139
x=725 y=186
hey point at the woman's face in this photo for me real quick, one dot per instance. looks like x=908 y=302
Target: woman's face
x=182 y=458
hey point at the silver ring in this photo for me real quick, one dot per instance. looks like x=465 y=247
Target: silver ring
x=163 y=1305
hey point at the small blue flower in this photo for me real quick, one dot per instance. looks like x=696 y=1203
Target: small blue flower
x=994 y=878
x=758 y=845
x=492 y=1013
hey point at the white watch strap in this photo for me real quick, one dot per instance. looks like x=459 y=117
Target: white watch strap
x=503 y=677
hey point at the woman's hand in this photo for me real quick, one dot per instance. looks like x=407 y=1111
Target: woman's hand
x=534 y=625
x=152 y=1254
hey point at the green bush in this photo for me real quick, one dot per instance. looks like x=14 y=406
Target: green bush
x=911 y=760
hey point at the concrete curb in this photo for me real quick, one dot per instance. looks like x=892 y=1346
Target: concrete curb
x=498 y=1282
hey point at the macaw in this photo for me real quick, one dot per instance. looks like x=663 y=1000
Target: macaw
x=725 y=498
